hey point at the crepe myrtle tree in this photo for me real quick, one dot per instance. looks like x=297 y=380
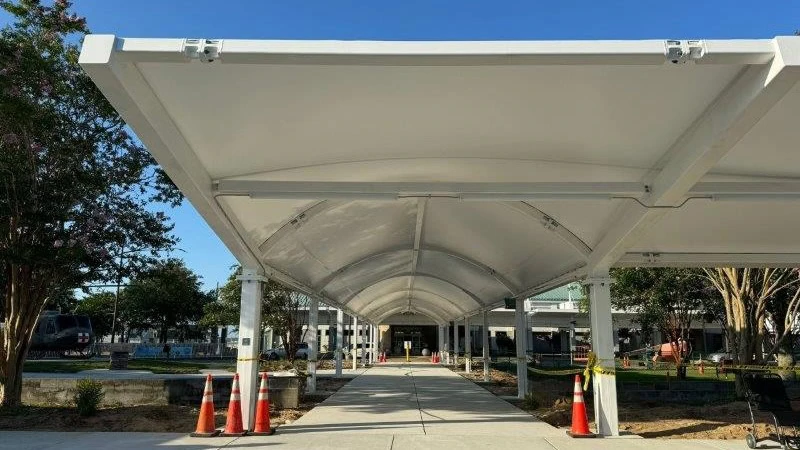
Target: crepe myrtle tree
x=74 y=185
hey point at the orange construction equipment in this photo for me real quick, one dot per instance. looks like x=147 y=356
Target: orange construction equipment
x=233 y=426
x=205 y=421
x=263 y=427
x=580 y=422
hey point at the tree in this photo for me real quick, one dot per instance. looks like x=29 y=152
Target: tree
x=167 y=296
x=282 y=309
x=74 y=185
x=746 y=294
x=99 y=308
x=668 y=299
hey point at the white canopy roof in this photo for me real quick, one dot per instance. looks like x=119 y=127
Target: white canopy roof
x=442 y=177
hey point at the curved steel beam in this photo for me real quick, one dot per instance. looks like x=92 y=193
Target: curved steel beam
x=433 y=311
x=551 y=224
x=500 y=278
x=296 y=222
x=474 y=297
x=388 y=313
x=409 y=293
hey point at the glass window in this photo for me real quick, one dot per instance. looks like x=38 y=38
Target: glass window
x=83 y=321
x=64 y=322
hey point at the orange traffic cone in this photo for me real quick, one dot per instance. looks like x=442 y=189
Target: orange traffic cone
x=580 y=423
x=205 y=421
x=233 y=426
x=263 y=427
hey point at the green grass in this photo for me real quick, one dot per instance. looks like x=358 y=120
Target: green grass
x=155 y=366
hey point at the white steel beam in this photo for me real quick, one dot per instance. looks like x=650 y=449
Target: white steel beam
x=755 y=260
x=456 y=53
x=316 y=190
x=422 y=204
x=732 y=114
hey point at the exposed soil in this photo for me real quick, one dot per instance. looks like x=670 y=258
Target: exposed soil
x=169 y=418
x=725 y=421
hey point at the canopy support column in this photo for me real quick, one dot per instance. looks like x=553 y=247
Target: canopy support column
x=446 y=339
x=455 y=343
x=363 y=335
x=521 y=341
x=249 y=340
x=352 y=345
x=605 y=384
x=313 y=326
x=339 y=339
x=375 y=343
x=440 y=341
x=467 y=347
x=485 y=338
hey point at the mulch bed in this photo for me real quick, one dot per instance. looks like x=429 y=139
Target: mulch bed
x=146 y=418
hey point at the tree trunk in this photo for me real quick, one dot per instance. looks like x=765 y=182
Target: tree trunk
x=162 y=335
x=24 y=301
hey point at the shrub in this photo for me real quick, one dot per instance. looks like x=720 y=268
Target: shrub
x=530 y=402
x=88 y=395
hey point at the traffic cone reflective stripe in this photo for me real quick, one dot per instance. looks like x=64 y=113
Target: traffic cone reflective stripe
x=262 y=425
x=233 y=426
x=580 y=422
x=205 y=421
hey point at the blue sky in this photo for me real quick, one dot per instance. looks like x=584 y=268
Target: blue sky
x=419 y=20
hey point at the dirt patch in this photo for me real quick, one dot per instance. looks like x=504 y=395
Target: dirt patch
x=162 y=419
x=724 y=421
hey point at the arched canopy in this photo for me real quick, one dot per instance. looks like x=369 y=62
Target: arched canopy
x=441 y=177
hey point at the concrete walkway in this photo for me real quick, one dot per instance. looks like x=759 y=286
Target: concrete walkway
x=391 y=406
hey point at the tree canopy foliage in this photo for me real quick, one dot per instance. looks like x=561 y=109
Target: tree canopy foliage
x=74 y=184
x=166 y=296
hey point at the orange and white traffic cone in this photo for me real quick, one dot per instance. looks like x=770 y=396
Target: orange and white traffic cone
x=580 y=422
x=263 y=427
x=205 y=421
x=233 y=426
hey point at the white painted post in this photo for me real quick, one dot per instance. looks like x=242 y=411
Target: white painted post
x=605 y=385
x=374 y=353
x=313 y=326
x=339 y=339
x=354 y=343
x=249 y=340
x=467 y=347
x=446 y=343
x=363 y=336
x=440 y=346
x=522 y=359
x=455 y=343
x=485 y=337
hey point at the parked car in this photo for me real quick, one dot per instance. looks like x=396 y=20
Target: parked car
x=358 y=349
x=277 y=353
x=719 y=356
